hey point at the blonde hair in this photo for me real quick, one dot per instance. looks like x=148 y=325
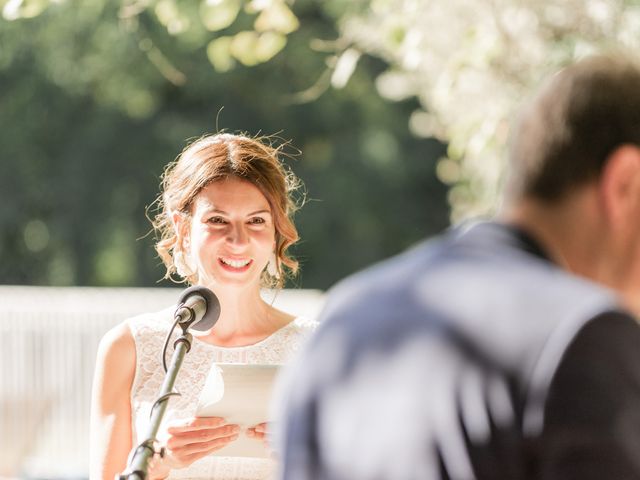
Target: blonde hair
x=215 y=157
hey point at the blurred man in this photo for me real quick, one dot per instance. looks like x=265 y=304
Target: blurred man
x=504 y=349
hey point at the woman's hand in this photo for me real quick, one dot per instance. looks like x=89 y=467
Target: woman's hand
x=258 y=431
x=190 y=440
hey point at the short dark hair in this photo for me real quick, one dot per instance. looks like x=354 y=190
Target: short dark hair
x=569 y=129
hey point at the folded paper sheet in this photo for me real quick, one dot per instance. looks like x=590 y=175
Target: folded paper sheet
x=240 y=393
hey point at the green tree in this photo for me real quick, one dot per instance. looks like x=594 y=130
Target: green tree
x=468 y=63
x=98 y=97
x=471 y=63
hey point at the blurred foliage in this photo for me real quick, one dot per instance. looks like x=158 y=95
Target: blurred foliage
x=97 y=97
x=470 y=63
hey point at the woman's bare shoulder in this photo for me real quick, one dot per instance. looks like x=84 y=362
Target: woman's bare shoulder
x=117 y=351
x=118 y=337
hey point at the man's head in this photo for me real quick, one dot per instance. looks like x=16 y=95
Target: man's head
x=570 y=128
x=575 y=171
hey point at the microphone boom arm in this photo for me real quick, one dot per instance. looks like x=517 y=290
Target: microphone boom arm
x=138 y=465
x=198 y=308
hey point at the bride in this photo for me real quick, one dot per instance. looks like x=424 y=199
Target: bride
x=224 y=223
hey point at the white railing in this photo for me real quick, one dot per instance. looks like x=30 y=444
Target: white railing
x=48 y=343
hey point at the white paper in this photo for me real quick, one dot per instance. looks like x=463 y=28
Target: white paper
x=240 y=393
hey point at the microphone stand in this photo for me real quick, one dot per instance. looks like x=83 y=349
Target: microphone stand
x=138 y=465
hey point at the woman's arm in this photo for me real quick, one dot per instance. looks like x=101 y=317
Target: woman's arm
x=110 y=438
x=186 y=442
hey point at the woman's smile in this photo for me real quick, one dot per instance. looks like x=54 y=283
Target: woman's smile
x=235 y=265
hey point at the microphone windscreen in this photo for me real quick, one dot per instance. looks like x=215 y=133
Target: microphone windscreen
x=211 y=307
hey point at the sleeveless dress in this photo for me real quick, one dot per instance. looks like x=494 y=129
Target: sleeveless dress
x=149 y=332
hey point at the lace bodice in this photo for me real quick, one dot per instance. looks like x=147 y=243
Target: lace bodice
x=149 y=332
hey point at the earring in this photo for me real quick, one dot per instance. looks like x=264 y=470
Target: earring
x=272 y=267
x=183 y=263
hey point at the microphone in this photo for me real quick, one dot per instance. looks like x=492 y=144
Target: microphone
x=198 y=308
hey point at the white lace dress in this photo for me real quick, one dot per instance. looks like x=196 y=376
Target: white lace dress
x=149 y=331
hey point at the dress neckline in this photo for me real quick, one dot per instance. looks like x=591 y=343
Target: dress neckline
x=259 y=343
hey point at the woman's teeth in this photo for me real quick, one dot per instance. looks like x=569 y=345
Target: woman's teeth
x=235 y=263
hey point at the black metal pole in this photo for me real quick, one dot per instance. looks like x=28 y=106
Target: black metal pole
x=138 y=465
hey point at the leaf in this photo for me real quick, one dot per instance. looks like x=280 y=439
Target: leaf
x=244 y=46
x=169 y=15
x=255 y=6
x=219 y=14
x=15 y=9
x=345 y=67
x=219 y=54
x=269 y=44
x=278 y=17
x=165 y=11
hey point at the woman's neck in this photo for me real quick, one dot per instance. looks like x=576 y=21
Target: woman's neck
x=245 y=318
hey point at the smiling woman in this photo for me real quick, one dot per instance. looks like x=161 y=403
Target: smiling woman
x=224 y=222
x=231 y=234
x=210 y=160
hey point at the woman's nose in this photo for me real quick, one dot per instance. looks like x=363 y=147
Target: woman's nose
x=237 y=235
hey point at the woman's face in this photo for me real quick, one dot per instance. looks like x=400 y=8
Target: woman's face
x=232 y=233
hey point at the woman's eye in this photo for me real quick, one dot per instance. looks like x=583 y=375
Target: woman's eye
x=257 y=221
x=217 y=220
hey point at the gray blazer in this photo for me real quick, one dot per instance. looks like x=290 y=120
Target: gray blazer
x=463 y=358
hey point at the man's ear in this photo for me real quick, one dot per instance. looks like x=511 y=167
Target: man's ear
x=620 y=185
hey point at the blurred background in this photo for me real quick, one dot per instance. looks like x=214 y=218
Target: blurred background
x=397 y=111
x=98 y=97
